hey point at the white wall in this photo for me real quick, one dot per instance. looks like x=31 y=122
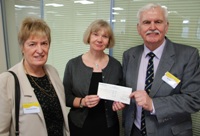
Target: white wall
x=14 y=50
x=3 y=66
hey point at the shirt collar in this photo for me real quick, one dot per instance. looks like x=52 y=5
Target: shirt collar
x=158 y=52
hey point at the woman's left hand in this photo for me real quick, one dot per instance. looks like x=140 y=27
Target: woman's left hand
x=117 y=106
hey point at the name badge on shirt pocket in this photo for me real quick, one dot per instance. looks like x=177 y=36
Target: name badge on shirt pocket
x=171 y=79
x=32 y=107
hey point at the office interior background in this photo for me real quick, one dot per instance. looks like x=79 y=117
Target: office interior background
x=68 y=19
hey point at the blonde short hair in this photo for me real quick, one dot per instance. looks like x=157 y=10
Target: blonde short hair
x=33 y=26
x=95 y=26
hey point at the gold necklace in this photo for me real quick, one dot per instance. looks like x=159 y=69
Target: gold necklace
x=42 y=89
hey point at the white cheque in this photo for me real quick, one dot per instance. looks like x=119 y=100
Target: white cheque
x=114 y=92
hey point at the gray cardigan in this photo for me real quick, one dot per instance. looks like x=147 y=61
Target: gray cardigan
x=76 y=82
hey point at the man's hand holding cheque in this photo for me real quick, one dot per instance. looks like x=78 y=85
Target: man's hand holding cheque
x=142 y=99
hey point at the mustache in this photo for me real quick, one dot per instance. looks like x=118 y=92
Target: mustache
x=153 y=31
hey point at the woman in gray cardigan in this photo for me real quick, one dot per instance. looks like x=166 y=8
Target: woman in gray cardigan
x=89 y=115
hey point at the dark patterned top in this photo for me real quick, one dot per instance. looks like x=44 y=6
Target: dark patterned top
x=49 y=103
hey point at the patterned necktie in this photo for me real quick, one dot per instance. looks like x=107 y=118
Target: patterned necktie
x=148 y=84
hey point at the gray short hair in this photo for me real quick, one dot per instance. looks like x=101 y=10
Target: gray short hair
x=150 y=6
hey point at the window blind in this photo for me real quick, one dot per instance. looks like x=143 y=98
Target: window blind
x=68 y=23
